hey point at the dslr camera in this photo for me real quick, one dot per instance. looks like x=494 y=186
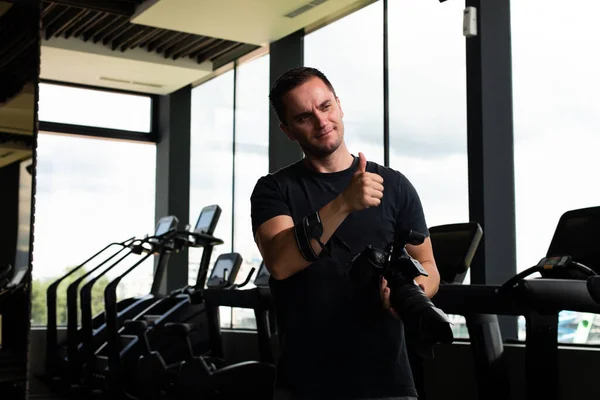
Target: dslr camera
x=423 y=321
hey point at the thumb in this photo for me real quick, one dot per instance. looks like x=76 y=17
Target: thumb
x=362 y=163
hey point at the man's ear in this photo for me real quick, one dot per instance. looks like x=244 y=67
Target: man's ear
x=340 y=106
x=287 y=132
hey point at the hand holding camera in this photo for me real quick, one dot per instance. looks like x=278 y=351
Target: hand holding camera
x=427 y=323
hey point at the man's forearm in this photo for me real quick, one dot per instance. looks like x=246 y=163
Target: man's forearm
x=285 y=258
x=431 y=283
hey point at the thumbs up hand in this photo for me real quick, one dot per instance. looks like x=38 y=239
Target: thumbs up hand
x=365 y=189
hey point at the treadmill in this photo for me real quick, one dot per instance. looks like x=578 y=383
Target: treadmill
x=454 y=246
x=117 y=357
x=567 y=277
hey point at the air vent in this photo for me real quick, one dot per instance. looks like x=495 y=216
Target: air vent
x=117 y=80
x=304 y=8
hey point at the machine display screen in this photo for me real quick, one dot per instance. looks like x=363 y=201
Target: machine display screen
x=163 y=227
x=263 y=272
x=577 y=235
x=220 y=267
x=450 y=248
x=204 y=221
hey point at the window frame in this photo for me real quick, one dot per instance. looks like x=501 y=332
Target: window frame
x=100 y=132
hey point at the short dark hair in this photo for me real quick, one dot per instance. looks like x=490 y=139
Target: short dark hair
x=291 y=80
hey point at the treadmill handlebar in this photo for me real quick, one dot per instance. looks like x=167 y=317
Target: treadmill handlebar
x=558 y=267
x=247 y=280
x=549 y=295
x=593 y=285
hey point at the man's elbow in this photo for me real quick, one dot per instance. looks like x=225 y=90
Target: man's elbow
x=277 y=271
x=435 y=284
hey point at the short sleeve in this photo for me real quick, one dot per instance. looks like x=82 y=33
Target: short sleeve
x=410 y=213
x=267 y=201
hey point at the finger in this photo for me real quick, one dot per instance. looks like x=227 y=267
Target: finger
x=374 y=177
x=386 y=298
x=362 y=163
x=378 y=194
x=371 y=201
x=377 y=186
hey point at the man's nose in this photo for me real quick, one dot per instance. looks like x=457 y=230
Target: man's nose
x=322 y=119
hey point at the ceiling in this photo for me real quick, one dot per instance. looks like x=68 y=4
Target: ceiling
x=159 y=46
x=258 y=22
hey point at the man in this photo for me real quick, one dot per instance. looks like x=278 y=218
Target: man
x=335 y=343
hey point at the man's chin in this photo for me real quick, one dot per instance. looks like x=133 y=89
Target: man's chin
x=321 y=151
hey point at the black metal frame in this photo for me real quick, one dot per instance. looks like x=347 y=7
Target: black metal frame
x=233 y=134
x=386 y=89
x=93 y=131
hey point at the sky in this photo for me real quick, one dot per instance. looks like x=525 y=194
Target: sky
x=93 y=191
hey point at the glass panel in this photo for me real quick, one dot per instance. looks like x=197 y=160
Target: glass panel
x=103 y=109
x=356 y=77
x=556 y=120
x=211 y=175
x=251 y=162
x=428 y=117
x=89 y=193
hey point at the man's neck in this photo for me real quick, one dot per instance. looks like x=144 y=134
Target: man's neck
x=339 y=160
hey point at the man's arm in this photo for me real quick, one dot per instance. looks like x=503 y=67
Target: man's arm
x=424 y=254
x=277 y=243
x=275 y=237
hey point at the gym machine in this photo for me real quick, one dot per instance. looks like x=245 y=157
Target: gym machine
x=65 y=361
x=567 y=282
x=115 y=362
x=209 y=377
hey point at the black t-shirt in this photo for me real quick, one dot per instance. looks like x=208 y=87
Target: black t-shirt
x=334 y=341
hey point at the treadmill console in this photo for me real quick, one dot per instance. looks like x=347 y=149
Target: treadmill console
x=577 y=235
x=165 y=224
x=224 y=271
x=454 y=247
x=262 y=278
x=207 y=221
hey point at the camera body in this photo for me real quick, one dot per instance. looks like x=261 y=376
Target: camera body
x=422 y=319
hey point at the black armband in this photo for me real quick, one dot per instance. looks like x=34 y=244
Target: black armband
x=310 y=227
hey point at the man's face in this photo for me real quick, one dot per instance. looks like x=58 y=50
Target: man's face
x=314 y=118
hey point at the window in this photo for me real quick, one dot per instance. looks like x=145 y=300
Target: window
x=352 y=60
x=24 y=230
x=211 y=160
x=98 y=108
x=251 y=162
x=428 y=116
x=556 y=120
x=89 y=193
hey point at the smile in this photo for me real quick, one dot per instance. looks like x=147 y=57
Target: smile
x=323 y=135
